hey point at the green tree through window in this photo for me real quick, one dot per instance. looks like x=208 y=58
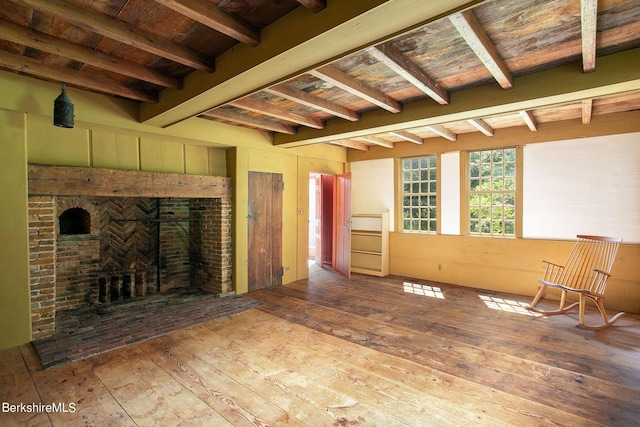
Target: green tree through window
x=419 y=198
x=492 y=192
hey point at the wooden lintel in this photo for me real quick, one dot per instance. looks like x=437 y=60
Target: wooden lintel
x=87 y=182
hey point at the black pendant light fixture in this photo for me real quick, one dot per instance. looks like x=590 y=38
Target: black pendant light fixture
x=63 y=110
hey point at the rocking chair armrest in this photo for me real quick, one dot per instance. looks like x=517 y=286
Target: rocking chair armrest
x=553 y=263
x=601 y=272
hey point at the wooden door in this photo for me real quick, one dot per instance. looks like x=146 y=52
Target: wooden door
x=343 y=225
x=265 y=230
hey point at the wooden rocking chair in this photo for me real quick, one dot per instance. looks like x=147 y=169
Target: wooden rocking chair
x=585 y=273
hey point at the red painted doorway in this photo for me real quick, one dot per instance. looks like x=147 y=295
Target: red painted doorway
x=329 y=221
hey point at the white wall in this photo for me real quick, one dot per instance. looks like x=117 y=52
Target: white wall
x=583 y=186
x=372 y=188
x=450 y=193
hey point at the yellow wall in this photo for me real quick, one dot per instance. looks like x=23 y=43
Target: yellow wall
x=85 y=147
x=295 y=170
x=508 y=265
x=505 y=265
x=15 y=318
x=107 y=135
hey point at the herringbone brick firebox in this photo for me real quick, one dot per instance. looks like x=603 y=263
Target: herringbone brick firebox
x=90 y=250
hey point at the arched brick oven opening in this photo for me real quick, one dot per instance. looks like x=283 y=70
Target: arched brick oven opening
x=74 y=221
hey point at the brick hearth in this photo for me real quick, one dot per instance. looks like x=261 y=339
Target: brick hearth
x=85 y=332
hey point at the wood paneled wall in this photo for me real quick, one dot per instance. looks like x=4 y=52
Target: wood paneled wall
x=505 y=265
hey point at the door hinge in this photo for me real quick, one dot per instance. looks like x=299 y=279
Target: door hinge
x=282 y=183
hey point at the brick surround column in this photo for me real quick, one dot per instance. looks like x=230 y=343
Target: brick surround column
x=210 y=256
x=42 y=253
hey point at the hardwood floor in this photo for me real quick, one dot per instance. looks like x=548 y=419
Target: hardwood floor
x=331 y=352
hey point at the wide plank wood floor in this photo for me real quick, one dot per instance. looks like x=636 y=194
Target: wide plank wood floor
x=334 y=352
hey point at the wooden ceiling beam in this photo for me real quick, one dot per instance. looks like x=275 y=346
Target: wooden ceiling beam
x=41 y=41
x=314 y=5
x=243 y=119
x=209 y=15
x=588 y=24
x=482 y=126
x=616 y=74
x=276 y=111
x=34 y=67
x=442 y=131
x=472 y=32
x=530 y=120
x=390 y=56
x=351 y=144
x=408 y=136
x=587 y=111
x=121 y=31
x=304 y=98
x=344 y=81
x=293 y=45
x=376 y=141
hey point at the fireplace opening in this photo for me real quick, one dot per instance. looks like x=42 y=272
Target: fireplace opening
x=119 y=287
x=94 y=251
x=74 y=221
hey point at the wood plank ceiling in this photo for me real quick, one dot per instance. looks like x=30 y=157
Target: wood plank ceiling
x=419 y=83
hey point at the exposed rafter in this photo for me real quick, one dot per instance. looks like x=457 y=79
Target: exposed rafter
x=208 y=14
x=331 y=74
x=587 y=111
x=37 y=40
x=482 y=126
x=314 y=5
x=410 y=71
x=470 y=29
x=37 y=68
x=442 y=131
x=224 y=114
x=408 y=136
x=375 y=141
x=589 y=23
x=347 y=143
x=529 y=119
x=302 y=97
x=276 y=111
x=122 y=32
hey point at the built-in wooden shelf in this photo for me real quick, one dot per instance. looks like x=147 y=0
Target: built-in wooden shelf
x=370 y=244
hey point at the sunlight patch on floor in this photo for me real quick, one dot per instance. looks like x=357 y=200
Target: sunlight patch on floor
x=508 y=305
x=426 y=290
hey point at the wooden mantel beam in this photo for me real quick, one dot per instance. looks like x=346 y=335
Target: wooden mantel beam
x=96 y=182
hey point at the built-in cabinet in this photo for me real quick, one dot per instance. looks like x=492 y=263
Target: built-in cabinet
x=370 y=244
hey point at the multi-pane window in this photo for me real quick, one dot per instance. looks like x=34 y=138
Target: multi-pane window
x=492 y=195
x=419 y=199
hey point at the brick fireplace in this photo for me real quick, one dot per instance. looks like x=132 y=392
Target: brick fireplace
x=99 y=236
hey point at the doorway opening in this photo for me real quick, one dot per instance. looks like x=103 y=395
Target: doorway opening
x=330 y=222
x=321 y=220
